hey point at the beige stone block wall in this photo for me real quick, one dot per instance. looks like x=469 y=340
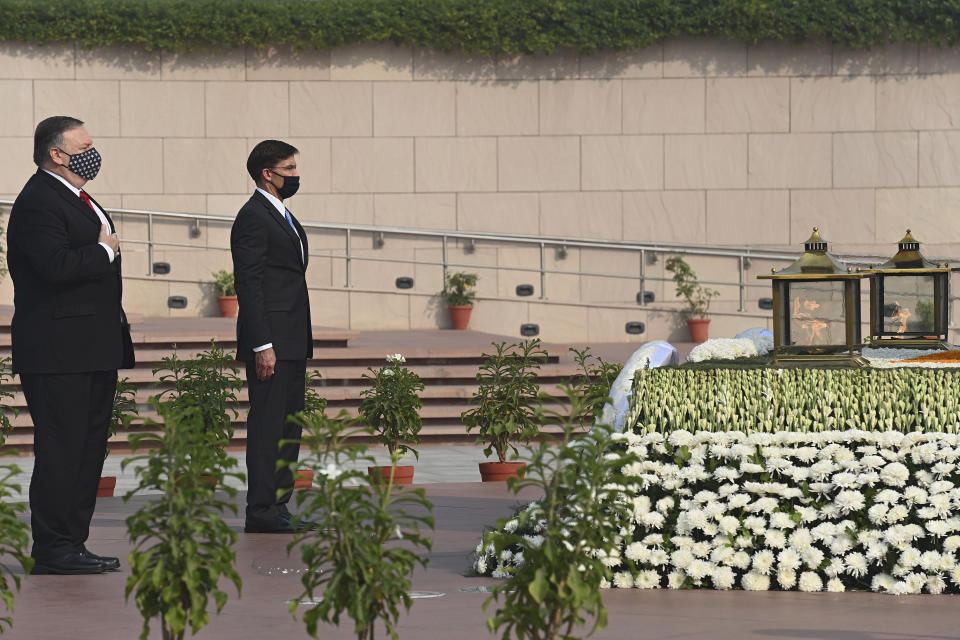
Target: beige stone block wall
x=690 y=141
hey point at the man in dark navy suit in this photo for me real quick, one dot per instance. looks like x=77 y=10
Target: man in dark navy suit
x=70 y=335
x=274 y=336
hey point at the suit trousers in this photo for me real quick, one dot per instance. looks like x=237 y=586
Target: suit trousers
x=271 y=401
x=71 y=416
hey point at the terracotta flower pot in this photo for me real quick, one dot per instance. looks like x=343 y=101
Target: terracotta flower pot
x=229 y=307
x=304 y=479
x=500 y=471
x=403 y=474
x=699 y=328
x=460 y=315
x=106 y=487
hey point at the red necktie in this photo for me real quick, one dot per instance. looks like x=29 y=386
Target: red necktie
x=86 y=198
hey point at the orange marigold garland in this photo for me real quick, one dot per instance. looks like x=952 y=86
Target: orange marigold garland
x=937 y=356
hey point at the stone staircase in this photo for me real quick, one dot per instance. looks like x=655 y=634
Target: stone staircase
x=446 y=360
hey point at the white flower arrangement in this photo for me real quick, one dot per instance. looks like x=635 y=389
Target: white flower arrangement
x=723 y=349
x=730 y=510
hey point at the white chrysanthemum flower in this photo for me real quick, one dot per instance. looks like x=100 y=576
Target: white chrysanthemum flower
x=835 y=568
x=937 y=528
x=755 y=524
x=881 y=582
x=738 y=501
x=951 y=543
x=786 y=578
x=659 y=557
x=876 y=551
x=835 y=585
x=723 y=578
x=877 y=513
x=829 y=511
x=701 y=549
x=844 y=480
x=915 y=495
x=637 y=552
x=930 y=561
x=800 y=538
x=909 y=557
x=500 y=573
x=897 y=513
x=725 y=473
x=840 y=544
x=714 y=509
x=775 y=539
x=481 y=565
x=935 y=584
x=681 y=558
x=533 y=541
x=887 y=496
x=721 y=555
x=396 y=358
x=810 y=581
x=781 y=520
x=739 y=560
x=894 y=474
x=763 y=562
x=755 y=582
x=652 y=520
x=647 y=580
x=676 y=579
x=727 y=490
x=623 y=580
x=812 y=557
x=849 y=500
x=664 y=505
x=856 y=564
x=728 y=525
x=821 y=488
x=825 y=531
x=789 y=558
x=751 y=467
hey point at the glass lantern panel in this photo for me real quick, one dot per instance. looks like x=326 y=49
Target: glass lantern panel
x=908 y=304
x=817 y=313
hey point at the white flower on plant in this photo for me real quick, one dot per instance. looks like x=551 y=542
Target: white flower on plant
x=810 y=581
x=481 y=565
x=786 y=578
x=789 y=558
x=856 y=564
x=637 y=552
x=623 y=580
x=647 y=579
x=951 y=543
x=681 y=558
x=675 y=579
x=664 y=505
x=835 y=568
x=877 y=513
x=533 y=541
x=835 y=585
x=775 y=539
x=396 y=358
x=800 y=539
x=723 y=578
x=881 y=582
x=915 y=495
x=500 y=573
x=935 y=584
x=894 y=474
x=728 y=524
x=897 y=513
x=659 y=557
x=888 y=496
x=331 y=471
x=781 y=520
x=755 y=582
x=699 y=569
x=849 y=500
x=876 y=551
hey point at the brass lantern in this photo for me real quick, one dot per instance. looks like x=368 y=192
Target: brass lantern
x=816 y=309
x=909 y=300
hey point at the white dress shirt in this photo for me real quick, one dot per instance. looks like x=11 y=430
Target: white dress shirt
x=96 y=209
x=282 y=211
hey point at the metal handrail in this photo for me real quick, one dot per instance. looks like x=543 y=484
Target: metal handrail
x=742 y=254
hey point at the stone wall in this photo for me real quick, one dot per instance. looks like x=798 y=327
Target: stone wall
x=689 y=141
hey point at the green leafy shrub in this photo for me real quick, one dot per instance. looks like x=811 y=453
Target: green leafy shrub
x=459 y=289
x=354 y=567
x=14 y=541
x=689 y=288
x=182 y=545
x=800 y=399
x=592 y=384
x=391 y=406
x=578 y=525
x=6 y=379
x=313 y=402
x=507 y=398
x=224 y=283
x=492 y=27
x=124 y=410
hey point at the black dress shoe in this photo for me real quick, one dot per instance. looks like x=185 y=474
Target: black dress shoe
x=69 y=564
x=111 y=563
x=275 y=525
x=284 y=512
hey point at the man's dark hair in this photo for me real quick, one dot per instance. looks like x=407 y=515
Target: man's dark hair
x=266 y=155
x=49 y=134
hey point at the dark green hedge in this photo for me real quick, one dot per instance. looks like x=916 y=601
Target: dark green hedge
x=484 y=26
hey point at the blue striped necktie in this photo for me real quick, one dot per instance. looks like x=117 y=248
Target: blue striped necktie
x=286 y=214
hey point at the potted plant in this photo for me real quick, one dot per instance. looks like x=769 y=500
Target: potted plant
x=391 y=407
x=182 y=545
x=124 y=412
x=313 y=405
x=458 y=292
x=696 y=296
x=14 y=532
x=353 y=565
x=507 y=401
x=226 y=293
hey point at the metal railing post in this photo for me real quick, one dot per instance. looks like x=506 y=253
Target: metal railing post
x=149 y=244
x=742 y=284
x=543 y=273
x=348 y=283
x=642 y=298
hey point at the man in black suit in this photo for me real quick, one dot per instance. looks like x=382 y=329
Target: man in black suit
x=274 y=336
x=70 y=336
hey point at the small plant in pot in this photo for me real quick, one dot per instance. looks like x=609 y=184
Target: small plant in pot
x=507 y=403
x=694 y=294
x=391 y=407
x=314 y=405
x=459 y=294
x=124 y=412
x=226 y=293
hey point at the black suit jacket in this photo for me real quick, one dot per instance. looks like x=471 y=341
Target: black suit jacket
x=67 y=315
x=271 y=282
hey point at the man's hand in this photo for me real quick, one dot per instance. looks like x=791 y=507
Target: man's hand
x=266 y=362
x=112 y=241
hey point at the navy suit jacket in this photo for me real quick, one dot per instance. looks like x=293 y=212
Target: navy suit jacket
x=271 y=282
x=68 y=316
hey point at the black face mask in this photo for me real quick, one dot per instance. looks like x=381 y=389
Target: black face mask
x=289 y=187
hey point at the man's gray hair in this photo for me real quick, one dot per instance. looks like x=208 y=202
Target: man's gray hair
x=49 y=134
